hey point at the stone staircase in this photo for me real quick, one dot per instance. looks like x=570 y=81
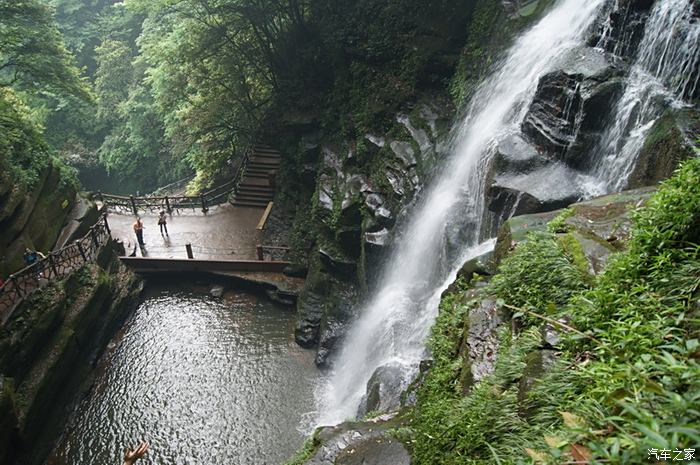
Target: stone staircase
x=255 y=190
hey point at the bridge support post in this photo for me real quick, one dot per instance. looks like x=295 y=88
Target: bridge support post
x=13 y=278
x=133 y=205
x=259 y=251
x=81 y=250
x=52 y=263
x=104 y=218
x=188 y=247
x=204 y=203
x=93 y=234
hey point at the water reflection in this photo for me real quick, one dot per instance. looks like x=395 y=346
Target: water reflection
x=204 y=380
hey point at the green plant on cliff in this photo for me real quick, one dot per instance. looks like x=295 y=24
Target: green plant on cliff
x=539 y=274
x=634 y=389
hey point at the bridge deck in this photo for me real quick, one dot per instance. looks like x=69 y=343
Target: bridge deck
x=178 y=265
x=224 y=233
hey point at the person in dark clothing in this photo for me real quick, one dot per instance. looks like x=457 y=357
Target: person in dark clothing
x=138 y=229
x=163 y=223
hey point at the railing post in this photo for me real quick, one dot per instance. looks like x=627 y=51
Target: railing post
x=12 y=278
x=100 y=197
x=133 y=205
x=52 y=264
x=104 y=217
x=167 y=205
x=188 y=247
x=96 y=241
x=204 y=203
x=259 y=251
x=81 y=250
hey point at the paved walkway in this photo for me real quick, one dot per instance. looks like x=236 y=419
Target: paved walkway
x=224 y=233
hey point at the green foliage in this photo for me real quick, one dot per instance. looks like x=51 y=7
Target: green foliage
x=558 y=224
x=33 y=55
x=636 y=388
x=23 y=152
x=307 y=450
x=539 y=274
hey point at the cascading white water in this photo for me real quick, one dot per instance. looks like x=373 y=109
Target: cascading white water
x=394 y=324
x=664 y=73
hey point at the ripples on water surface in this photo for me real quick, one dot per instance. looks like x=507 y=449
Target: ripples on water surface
x=206 y=381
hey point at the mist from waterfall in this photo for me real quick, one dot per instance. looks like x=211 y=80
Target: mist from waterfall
x=665 y=73
x=393 y=325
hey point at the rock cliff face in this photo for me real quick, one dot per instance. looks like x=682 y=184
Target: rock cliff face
x=48 y=348
x=32 y=219
x=362 y=187
x=572 y=109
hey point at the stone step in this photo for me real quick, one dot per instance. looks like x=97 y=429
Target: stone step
x=254 y=175
x=259 y=164
x=253 y=195
x=254 y=188
x=238 y=203
x=269 y=150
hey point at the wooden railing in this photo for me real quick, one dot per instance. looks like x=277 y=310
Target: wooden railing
x=213 y=197
x=56 y=265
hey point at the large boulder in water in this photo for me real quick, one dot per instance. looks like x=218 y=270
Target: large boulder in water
x=568 y=111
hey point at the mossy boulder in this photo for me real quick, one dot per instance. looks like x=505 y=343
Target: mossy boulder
x=600 y=226
x=367 y=442
x=667 y=144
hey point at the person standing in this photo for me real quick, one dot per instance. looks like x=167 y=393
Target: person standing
x=138 y=229
x=163 y=223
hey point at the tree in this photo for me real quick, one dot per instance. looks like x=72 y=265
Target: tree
x=32 y=53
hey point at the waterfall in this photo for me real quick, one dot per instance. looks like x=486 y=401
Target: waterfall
x=665 y=73
x=394 y=324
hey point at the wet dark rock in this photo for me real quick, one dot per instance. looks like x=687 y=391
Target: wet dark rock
x=336 y=262
x=596 y=251
x=216 y=291
x=296 y=270
x=609 y=218
x=311 y=306
x=506 y=202
x=601 y=225
x=376 y=205
x=665 y=147
x=623 y=31
x=484 y=265
x=538 y=363
x=534 y=192
x=378 y=238
x=517 y=155
x=383 y=392
x=360 y=443
x=404 y=152
x=569 y=106
x=551 y=334
x=480 y=346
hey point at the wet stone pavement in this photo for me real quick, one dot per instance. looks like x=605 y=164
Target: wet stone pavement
x=224 y=233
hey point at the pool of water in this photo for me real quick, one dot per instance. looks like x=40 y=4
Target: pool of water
x=204 y=380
